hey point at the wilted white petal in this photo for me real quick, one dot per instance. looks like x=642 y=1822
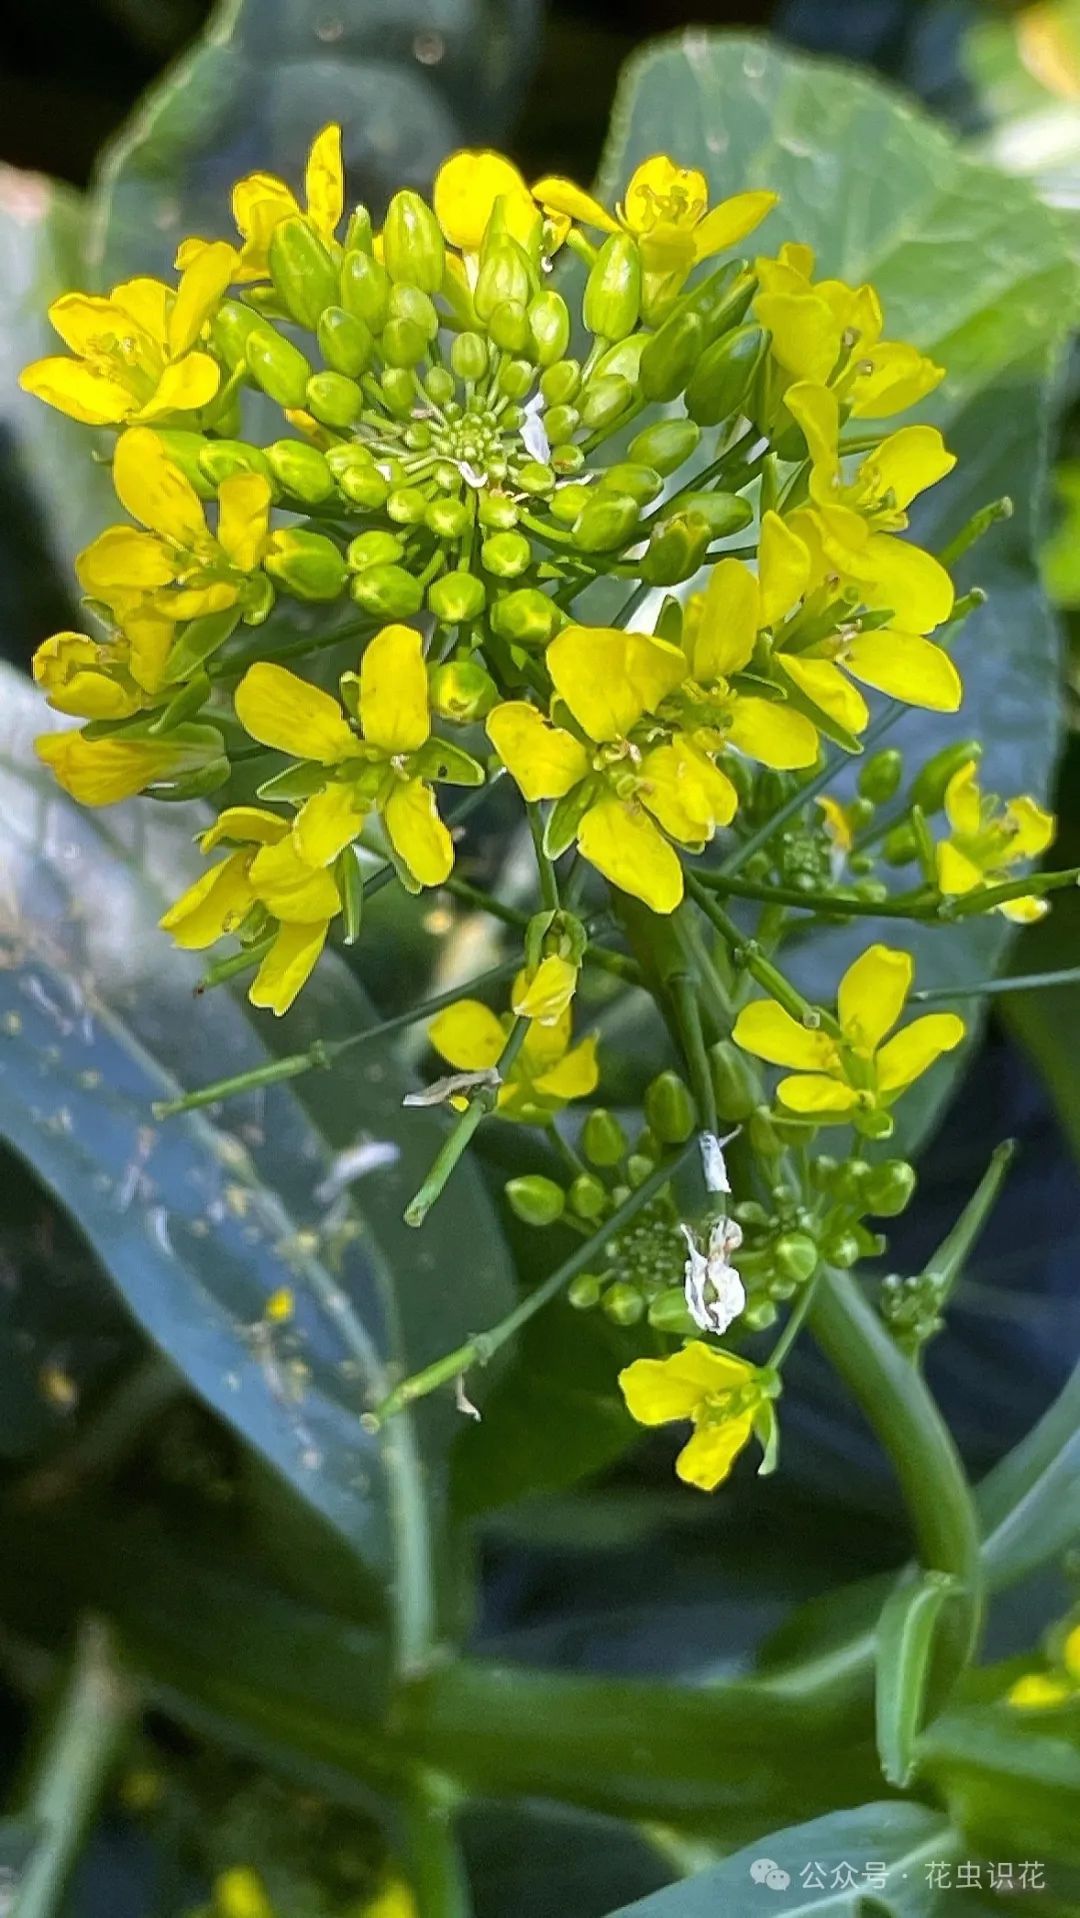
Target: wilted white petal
x=462 y=1400
x=370 y=1155
x=455 y=1083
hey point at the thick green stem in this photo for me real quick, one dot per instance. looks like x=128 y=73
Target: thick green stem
x=437 y=1869
x=748 y=953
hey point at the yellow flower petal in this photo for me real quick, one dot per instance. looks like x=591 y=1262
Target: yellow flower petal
x=815 y=409
x=201 y=287
x=1070 y=1652
x=98 y=772
x=545 y=761
x=327 y=822
x=659 y=179
x=214 y=905
x=88 y=323
x=1024 y=912
x=730 y=222
x=73 y=671
x=292 y=890
x=823 y=682
x=150 y=636
x=956 y=873
x=622 y=843
x=123 y=557
x=872 y=993
x=1038 y=1691
x=186 y=384
x=609 y=678
x=243 y=518
x=766 y=1030
x=894 y=377
x=394 y=711
x=546 y=996
x=288 y=966
x=324 y=181
x=281 y=710
x=468 y=1036
x=728 y=620
x=913 y=1051
x=74 y=389
x=557 y=195
x=908 y=462
x=417 y=834
x=688 y=794
x=658 y=1391
x=768 y=730
x=963 y=802
x=707 y=1458
x=912 y=584
x=805 y=333
x=783 y=569
x=907 y=667
x=1032 y=829
x=154 y=490
x=245 y=826
x=575 y=1076
x=467 y=186
x=816 y=1094
x=145 y=301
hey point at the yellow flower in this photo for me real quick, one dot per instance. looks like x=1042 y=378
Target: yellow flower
x=469 y=186
x=240 y=1893
x=386 y=766
x=987 y=838
x=393 y=1900
x=99 y=772
x=1041 y=1691
x=547 y=1071
x=854 y=1073
x=177 y=567
x=545 y=992
x=727 y=1400
x=720 y=634
x=261 y=201
x=616 y=793
x=136 y=350
x=263 y=884
x=886 y=481
x=812 y=326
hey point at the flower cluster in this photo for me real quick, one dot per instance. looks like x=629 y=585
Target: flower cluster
x=638 y=535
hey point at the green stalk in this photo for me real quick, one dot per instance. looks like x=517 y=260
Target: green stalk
x=437 y=1872
x=480 y=1105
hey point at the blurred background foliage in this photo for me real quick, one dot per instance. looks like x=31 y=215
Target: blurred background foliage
x=563 y=1581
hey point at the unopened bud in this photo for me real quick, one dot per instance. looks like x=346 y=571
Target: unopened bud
x=606 y=522
x=534 y=1199
x=602 y=1138
x=365 y=289
x=887 y=1187
x=301 y=471
x=388 y=592
x=670 y=356
x=462 y=691
x=527 y=616
x=457 y=596
x=724 y=375
x=605 y=399
x=549 y=327
x=880 y=776
x=307 y=564
x=334 y=399
x=676 y=549
x=277 y=366
x=666 y=445
x=612 y=299
x=669 y=1109
x=304 y=275
x=507 y=555
x=413 y=245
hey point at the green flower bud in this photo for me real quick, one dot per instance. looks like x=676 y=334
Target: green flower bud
x=508 y=327
x=461 y=690
x=736 y=1085
x=606 y=522
x=409 y=303
x=304 y=275
x=880 y=777
x=231 y=325
x=568 y=502
x=559 y=384
x=612 y=298
x=567 y=459
x=605 y=399
x=928 y=788
x=515 y=378
x=458 y=596
x=603 y=1140
x=583 y=1291
x=725 y=513
x=359 y=233
x=398 y=385
x=588 y=1197
x=277 y=366
x=900 y=845
x=534 y=1199
x=796 y=1256
x=388 y=592
x=504 y=276
x=549 y=327
x=639 y=1168
x=447 y=518
x=345 y=342
x=670 y=356
x=676 y=549
x=186 y=449
x=407 y=506
x=665 y=446
x=875 y=1124
x=668 y=1313
x=507 y=555
x=469 y=356
x=413 y=246
x=723 y=376
x=497 y=510
x=402 y=343
x=887 y=1187
x=301 y=470
x=334 y=399
x=623 y=1303
x=759 y=1315
x=643 y=483
x=363 y=486
x=842 y=1250
x=722 y=299
x=365 y=289
x=375 y=548
x=528 y=617
x=561 y=423
x=669 y=1109
x=307 y=564
x=535 y=477
x=439 y=384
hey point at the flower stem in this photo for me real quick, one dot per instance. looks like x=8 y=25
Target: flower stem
x=746 y=952
x=452 y=1148
x=482 y=1346
x=836 y=904
x=990 y=988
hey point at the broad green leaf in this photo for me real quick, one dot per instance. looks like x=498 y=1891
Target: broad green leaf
x=200 y=1220
x=1024 y=68
x=1010 y=1779
x=905 y=1644
x=823 y=1870
x=974 y=270
x=1028 y=1504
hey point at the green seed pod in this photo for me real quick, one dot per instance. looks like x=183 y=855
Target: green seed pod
x=723 y=376
x=665 y=446
x=388 y=592
x=365 y=289
x=304 y=275
x=606 y=522
x=458 y=596
x=880 y=777
x=669 y=1109
x=515 y=378
x=232 y=323
x=670 y=356
x=277 y=366
x=439 y=384
x=345 y=342
x=402 y=343
x=301 y=471
x=668 y=1313
x=407 y=505
x=588 y=1196
x=461 y=691
x=605 y=399
x=447 y=518
x=549 y=327
x=583 y=1291
x=887 y=1187
x=349 y=881
x=508 y=327
x=507 y=555
x=612 y=299
x=676 y=549
x=334 y=399
x=307 y=564
x=504 y=276
x=413 y=245
x=497 y=511
x=643 y=483
x=603 y=1140
x=376 y=548
x=568 y=502
x=725 y=513
x=469 y=356
x=559 y=384
x=528 y=617
x=186 y=449
x=623 y=1303
x=534 y=1199
x=736 y=1085
x=408 y=303
x=928 y=788
x=796 y=1256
